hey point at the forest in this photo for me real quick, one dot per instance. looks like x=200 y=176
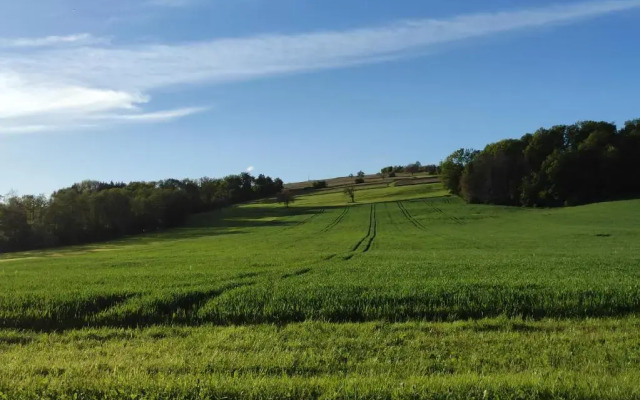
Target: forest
x=93 y=211
x=565 y=165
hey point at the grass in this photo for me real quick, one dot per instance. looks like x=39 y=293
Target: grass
x=371 y=194
x=496 y=358
x=370 y=180
x=406 y=294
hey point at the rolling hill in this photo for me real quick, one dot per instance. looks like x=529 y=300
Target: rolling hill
x=408 y=293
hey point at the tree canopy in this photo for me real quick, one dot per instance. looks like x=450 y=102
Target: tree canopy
x=92 y=211
x=565 y=164
x=350 y=192
x=412 y=168
x=286 y=197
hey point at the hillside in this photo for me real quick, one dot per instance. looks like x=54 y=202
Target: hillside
x=408 y=292
x=401 y=179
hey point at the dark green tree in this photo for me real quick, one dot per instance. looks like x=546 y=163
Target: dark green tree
x=350 y=191
x=286 y=197
x=452 y=167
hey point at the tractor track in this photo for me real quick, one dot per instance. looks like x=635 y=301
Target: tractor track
x=371 y=218
x=409 y=217
x=372 y=232
x=336 y=221
x=455 y=219
x=391 y=218
x=304 y=221
x=471 y=243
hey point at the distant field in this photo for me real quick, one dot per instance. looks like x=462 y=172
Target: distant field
x=408 y=292
x=403 y=178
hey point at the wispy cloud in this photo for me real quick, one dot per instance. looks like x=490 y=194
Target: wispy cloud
x=81 y=39
x=157 y=116
x=250 y=168
x=94 y=121
x=23 y=128
x=29 y=106
x=106 y=80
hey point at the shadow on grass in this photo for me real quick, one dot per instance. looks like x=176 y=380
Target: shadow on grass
x=227 y=221
x=255 y=216
x=230 y=221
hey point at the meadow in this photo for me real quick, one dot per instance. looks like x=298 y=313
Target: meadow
x=408 y=293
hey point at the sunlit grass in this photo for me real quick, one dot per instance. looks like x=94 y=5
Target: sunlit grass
x=384 y=298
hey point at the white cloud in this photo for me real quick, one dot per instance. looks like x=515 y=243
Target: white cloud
x=70 y=40
x=30 y=106
x=75 y=122
x=250 y=168
x=20 y=97
x=158 y=116
x=104 y=79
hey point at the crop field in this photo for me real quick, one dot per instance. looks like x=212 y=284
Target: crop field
x=408 y=293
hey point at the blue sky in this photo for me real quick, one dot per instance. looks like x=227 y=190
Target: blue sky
x=151 y=89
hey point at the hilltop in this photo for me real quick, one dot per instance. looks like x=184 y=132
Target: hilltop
x=370 y=180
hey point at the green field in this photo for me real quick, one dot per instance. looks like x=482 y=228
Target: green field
x=408 y=293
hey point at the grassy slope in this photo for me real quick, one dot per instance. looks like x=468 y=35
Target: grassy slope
x=425 y=258
x=479 y=359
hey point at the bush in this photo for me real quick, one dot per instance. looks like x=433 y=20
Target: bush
x=359 y=180
x=320 y=184
x=286 y=196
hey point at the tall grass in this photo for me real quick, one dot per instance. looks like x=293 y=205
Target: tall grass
x=495 y=358
x=425 y=259
x=404 y=295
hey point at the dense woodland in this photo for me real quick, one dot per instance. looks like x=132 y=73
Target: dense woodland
x=93 y=211
x=564 y=165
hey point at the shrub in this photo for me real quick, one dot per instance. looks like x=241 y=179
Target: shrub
x=320 y=184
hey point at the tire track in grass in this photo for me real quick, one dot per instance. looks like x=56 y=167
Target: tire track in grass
x=392 y=220
x=453 y=218
x=419 y=225
x=408 y=216
x=471 y=243
x=304 y=221
x=296 y=273
x=163 y=307
x=372 y=231
x=336 y=221
x=67 y=313
x=371 y=216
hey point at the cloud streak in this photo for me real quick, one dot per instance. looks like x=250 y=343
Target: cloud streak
x=70 y=40
x=102 y=79
x=157 y=116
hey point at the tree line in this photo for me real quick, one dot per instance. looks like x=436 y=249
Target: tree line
x=93 y=211
x=563 y=165
x=412 y=168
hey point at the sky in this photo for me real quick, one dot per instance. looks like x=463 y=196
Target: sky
x=128 y=90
